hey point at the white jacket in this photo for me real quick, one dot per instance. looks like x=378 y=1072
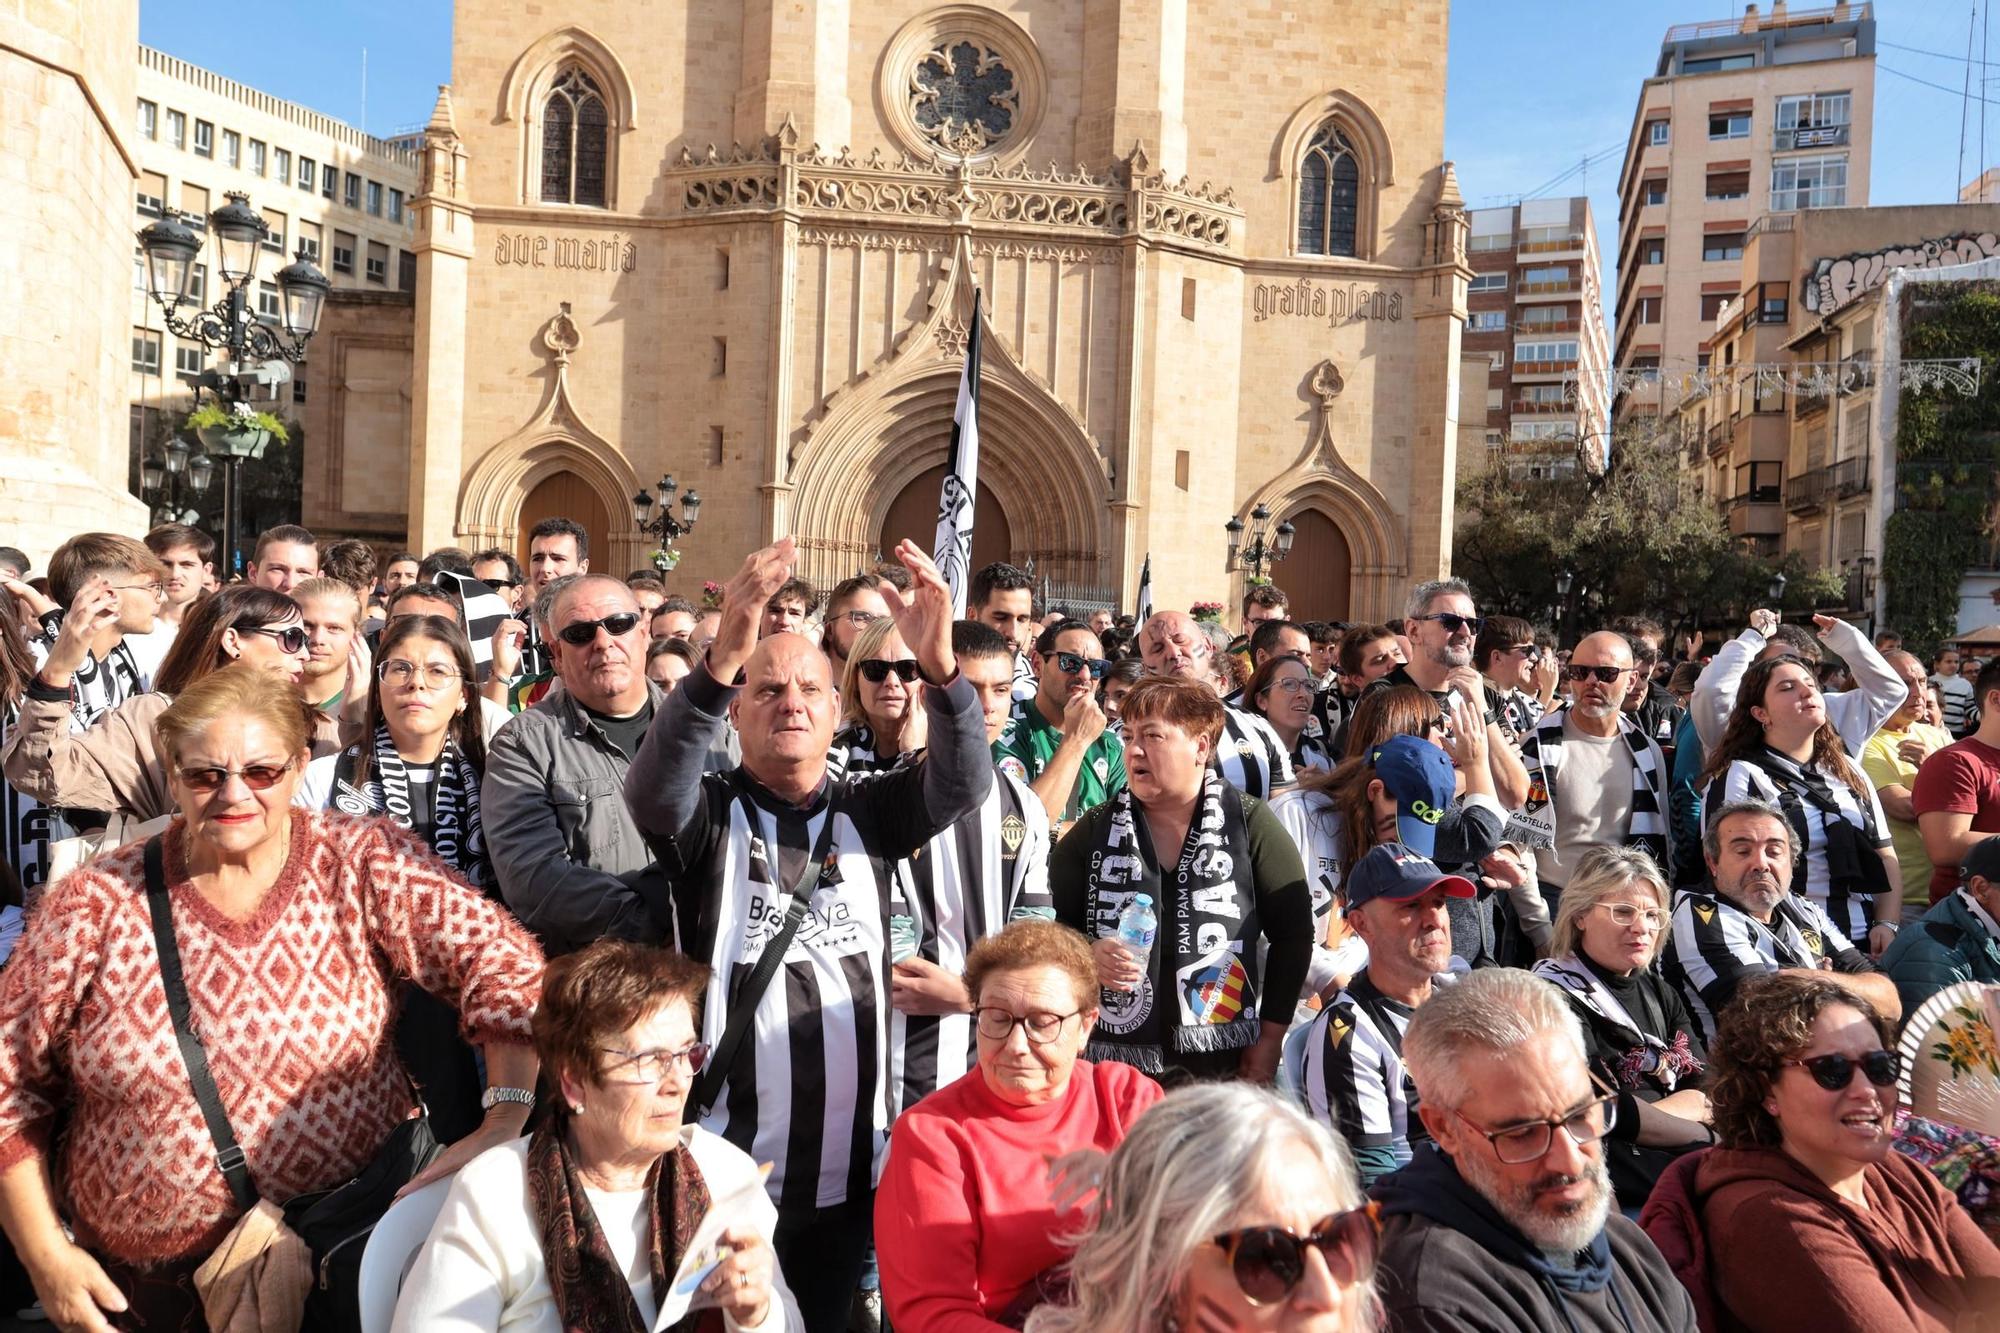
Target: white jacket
x=1856 y=714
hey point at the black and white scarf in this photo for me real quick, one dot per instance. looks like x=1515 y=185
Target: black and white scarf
x=1853 y=865
x=1648 y=1055
x=95 y=687
x=1541 y=754
x=1206 y=948
x=454 y=831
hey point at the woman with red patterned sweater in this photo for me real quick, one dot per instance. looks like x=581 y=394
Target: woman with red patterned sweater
x=293 y=929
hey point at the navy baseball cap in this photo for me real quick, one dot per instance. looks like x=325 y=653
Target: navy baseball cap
x=1399 y=874
x=1419 y=776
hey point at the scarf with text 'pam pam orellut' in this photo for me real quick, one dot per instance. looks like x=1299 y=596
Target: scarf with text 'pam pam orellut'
x=1206 y=950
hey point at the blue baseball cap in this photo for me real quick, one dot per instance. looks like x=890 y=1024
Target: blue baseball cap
x=1419 y=776
x=1399 y=874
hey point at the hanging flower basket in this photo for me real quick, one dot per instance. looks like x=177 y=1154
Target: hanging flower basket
x=1207 y=613
x=234 y=432
x=665 y=559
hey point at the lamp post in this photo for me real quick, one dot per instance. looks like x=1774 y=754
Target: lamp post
x=1267 y=546
x=173 y=482
x=1777 y=591
x=172 y=249
x=1565 y=580
x=664 y=526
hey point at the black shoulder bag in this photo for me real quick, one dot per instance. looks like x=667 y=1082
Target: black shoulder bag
x=334 y=1223
x=743 y=1004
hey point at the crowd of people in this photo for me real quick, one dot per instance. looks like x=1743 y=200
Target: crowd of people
x=788 y=960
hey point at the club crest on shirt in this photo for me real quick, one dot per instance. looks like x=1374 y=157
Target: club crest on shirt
x=1122 y=1011
x=1812 y=939
x=1337 y=1029
x=1102 y=769
x=1538 y=793
x=1013 y=831
x=1706 y=911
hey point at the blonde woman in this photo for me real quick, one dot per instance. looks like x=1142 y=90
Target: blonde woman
x=1638 y=1035
x=1224 y=1207
x=879 y=717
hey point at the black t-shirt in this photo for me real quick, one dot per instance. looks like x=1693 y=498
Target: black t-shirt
x=1656 y=1007
x=624 y=732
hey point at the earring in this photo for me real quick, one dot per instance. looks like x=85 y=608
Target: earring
x=576 y=1108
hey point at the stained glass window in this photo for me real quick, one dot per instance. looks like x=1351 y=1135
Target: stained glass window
x=575 y=132
x=964 y=96
x=1329 y=194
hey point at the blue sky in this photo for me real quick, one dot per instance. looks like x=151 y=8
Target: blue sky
x=1532 y=89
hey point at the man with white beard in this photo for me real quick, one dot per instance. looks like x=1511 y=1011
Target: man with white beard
x=1505 y=1221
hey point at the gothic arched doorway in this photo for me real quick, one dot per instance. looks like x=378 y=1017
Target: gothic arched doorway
x=1318 y=574
x=567 y=495
x=914 y=514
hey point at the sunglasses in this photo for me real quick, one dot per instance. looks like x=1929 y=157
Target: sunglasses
x=1607 y=674
x=291 y=639
x=582 y=632
x=257 y=777
x=1834 y=1072
x=1268 y=1262
x=875 y=670
x=1528 y=651
x=1071 y=663
x=1454 y=623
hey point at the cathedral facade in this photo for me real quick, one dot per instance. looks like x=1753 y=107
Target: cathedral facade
x=1216 y=250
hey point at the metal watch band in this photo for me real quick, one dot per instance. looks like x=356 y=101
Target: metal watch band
x=494 y=1096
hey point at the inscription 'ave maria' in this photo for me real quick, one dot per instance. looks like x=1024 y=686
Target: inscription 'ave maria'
x=612 y=255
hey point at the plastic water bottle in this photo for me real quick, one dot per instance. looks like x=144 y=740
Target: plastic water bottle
x=1137 y=927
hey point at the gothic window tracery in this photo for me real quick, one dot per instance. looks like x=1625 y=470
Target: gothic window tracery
x=576 y=128
x=1329 y=193
x=964 y=96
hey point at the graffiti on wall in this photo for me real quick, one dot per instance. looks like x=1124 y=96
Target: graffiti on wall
x=1835 y=283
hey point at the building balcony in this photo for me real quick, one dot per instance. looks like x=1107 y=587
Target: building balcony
x=1720 y=436
x=1539 y=407
x=1810 y=136
x=1544 y=290
x=1757 y=514
x=1568 y=245
x=1545 y=367
x=1548 y=326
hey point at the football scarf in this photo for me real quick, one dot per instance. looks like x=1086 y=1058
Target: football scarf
x=1647 y=1056
x=382 y=787
x=1206 y=950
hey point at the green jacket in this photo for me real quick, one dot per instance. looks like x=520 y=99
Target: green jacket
x=1949 y=944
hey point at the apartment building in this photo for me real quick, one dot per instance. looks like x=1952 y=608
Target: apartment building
x=1535 y=312
x=324 y=187
x=1766 y=113
x=1787 y=433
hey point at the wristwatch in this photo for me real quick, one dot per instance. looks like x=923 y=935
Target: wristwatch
x=493 y=1097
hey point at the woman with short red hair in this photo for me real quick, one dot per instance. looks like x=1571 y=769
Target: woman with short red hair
x=1230 y=880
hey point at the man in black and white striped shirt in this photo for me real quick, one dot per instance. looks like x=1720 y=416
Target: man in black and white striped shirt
x=1753 y=924
x=1248 y=753
x=1353 y=1071
x=778 y=849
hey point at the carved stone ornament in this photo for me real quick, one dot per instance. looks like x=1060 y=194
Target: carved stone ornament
x=561 y=336
x=1327 y=384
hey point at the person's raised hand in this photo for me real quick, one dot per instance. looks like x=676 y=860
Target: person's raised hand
x=31 y=604
x=924 y=614
x=1764 y=621
x=510 y=639
x=743 y=597
x=1465 y=733
x=1824 y=623
x=1083 y=720
x=1468 y=684
x=1548 y=673
x=94 y=610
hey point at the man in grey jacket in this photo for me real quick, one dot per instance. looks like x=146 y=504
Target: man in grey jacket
x=569 y=859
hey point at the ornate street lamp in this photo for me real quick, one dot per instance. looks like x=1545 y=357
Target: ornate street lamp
x=171 y=249
x=1267 y=545
x=173 y=482
x=1777 y=591
x=1565 y=580
x=663 y=525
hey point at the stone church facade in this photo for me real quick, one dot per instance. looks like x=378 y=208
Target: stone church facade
x=1219 y=258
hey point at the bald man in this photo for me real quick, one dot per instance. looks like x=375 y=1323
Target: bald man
x=779 y=855
x=569 y=859
x=1248 y=754
x=1596 y=777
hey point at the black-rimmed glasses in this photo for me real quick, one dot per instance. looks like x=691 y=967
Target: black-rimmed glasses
x=1071 y=664
x=875 y=670
x=581 y=632
x=290 y=639
x=1581 y=671
x=1041 y=1025
x=1454 y=623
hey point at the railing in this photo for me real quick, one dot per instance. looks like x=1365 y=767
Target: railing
x=209 y=81
x=1850 y=476
x=1569 y=287
x=1720 y=435
x=1547 y=325
x=1810 y=136
x=1806 y=493
x=1750 y=23
x=1538 y=405
x=1811 y=490
x=1574 y=242
x=1544 y=367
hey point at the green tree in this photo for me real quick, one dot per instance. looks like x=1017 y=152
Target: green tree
x=1634 y=539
